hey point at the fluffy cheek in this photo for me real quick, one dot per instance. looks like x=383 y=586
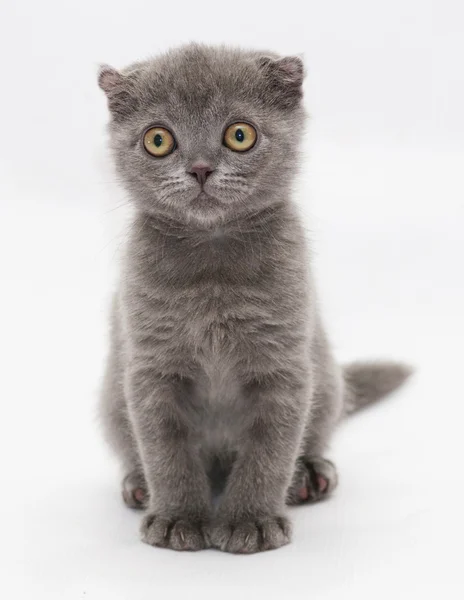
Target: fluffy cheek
x=152 y=180
x=237 y=175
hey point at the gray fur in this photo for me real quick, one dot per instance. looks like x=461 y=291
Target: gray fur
x=366 y=382
x=220 y=375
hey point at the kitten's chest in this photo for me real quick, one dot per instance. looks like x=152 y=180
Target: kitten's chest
x=212 y=324
x=214 y=331
x=221 y=320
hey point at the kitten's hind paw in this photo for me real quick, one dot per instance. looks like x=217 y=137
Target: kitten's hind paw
x=314 y=480
x=176 y=534
x=134 y=490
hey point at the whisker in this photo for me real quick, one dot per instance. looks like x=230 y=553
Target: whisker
x=127 y=203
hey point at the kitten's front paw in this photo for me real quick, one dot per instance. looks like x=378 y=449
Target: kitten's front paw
x=175 y=533
x=250 y=535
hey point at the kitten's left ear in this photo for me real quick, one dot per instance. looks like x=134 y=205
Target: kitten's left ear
x=285 y=76
x=119 y=89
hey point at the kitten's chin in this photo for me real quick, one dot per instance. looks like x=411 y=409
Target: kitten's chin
x=206 y=210
x=204 y=201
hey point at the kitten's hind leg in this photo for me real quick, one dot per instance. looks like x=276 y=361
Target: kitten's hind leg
x=116 y=423
x=315 y=477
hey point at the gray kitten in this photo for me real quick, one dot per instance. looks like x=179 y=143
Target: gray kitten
x=220 y=378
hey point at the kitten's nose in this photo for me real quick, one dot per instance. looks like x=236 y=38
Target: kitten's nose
x=201 y=171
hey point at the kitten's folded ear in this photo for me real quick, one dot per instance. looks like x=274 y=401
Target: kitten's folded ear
x=285 y=76
x=119 y=89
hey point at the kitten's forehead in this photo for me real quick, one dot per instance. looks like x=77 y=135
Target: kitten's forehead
x=204 y=80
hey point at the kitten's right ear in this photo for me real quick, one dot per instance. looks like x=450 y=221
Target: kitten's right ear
x=119 y=90
x=109 y=79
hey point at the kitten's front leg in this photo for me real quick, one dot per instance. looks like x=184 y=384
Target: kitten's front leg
x=251 y=516
x=178 y=486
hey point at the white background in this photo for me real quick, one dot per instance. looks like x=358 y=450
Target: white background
x=383 y=196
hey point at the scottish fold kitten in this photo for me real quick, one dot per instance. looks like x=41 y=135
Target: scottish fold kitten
x=220 y=378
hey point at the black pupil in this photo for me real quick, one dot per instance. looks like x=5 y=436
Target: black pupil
x=158 y=140
x=239 y=135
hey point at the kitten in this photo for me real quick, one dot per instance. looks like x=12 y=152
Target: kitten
x=220 y=376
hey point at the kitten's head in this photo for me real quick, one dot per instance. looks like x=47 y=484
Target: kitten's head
x=203 y=134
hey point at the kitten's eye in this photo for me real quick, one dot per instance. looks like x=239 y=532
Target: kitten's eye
x=240 y=137
x=159 y=141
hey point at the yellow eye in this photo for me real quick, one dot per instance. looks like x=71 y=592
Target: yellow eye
x=240 y=137
x=159 y=141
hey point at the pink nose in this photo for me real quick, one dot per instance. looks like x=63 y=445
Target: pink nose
x=201 y=171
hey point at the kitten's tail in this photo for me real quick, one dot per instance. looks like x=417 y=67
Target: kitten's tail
x=367 y=382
